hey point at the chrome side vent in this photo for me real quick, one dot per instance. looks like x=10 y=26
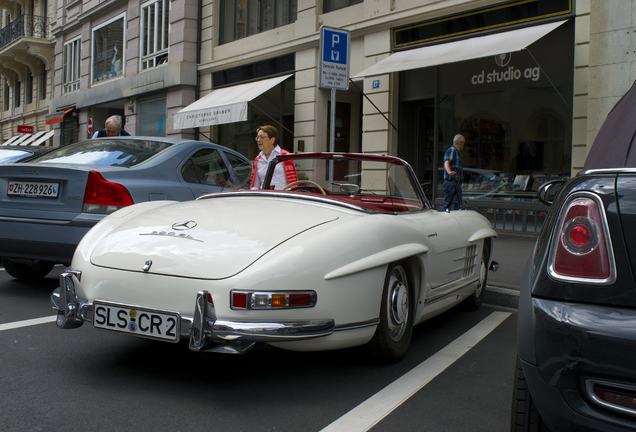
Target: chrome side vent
x=469 y=260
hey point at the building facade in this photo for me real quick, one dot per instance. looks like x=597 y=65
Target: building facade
x=137 y=59
x=529 y=115
x=26 y=63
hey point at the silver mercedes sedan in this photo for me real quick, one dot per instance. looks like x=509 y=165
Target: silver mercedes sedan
x=50 y=202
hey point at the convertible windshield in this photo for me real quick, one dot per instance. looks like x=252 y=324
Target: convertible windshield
x=376 y=183
x=105 y=152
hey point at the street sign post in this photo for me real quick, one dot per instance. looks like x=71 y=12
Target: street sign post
x=334 y=73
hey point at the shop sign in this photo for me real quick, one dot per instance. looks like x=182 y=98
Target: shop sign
x=505 y=72
x=25 y=129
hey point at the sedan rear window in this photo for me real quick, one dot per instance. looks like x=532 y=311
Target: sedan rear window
x=11 y=155
x=112 y=152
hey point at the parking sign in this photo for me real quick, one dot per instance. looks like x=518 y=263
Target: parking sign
x=334 y=58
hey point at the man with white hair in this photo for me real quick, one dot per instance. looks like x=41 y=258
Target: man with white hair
x=453 y=174
x=112 y=128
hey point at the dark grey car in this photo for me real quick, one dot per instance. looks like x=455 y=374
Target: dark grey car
x=50 y=202
x=577 y=309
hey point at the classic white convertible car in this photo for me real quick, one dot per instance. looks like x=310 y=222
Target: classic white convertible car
x=353 y=253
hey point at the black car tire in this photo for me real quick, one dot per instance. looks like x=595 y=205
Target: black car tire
x=27 y=270
x=393 y=335
x=524 y=416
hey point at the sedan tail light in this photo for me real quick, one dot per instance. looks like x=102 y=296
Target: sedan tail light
x=103 y=196
x=581 y=249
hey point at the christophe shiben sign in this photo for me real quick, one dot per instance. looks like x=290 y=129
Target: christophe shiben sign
x=503 y=71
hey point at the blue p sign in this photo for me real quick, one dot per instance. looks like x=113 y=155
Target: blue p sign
x=335 y=50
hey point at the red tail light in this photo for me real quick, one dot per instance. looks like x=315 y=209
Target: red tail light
x=582 y=249
x=103 y=196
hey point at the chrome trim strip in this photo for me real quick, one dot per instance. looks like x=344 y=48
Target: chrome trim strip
x=285 y=195
x=610 y=171
x=272 y=331
x=357 y=325
x=589 y=387
x=35 y=220
x=554 y=243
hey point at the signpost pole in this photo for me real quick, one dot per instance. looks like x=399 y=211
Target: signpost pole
x=334 y=74
x=332 y=131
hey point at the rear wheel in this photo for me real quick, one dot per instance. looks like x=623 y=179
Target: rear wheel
x=28 y=270
x=393 y=334
x=524 y=416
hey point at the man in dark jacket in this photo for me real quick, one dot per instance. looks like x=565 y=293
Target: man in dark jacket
x=112 y=128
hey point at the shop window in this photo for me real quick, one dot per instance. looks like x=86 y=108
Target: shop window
x=242 y=18
x=43 y=79
x=206 y=167
x=108 y=50
x=154 y=34
x=28 y=89
x=17 y=92
x=6 y=96
x=331 y=5
x=275 y=107
x=152 y=117
x=72 y=66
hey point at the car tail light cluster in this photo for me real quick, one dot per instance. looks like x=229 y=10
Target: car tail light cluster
x=615 y=396
x=581 y=248
x=103 y=196
x=272 y=299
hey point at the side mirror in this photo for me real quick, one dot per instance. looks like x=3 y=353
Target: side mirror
x=548 y=192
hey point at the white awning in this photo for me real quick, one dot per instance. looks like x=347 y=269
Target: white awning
x=224 y=105
x=466 y=49
x=32 y=138
x=42 y=139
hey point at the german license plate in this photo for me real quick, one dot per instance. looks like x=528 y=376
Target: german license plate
x=137 y=321
x=33 y=189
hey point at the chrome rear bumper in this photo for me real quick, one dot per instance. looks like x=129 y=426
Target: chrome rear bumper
x=204 y=331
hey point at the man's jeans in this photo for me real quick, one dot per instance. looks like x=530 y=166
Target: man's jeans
x=452 y=195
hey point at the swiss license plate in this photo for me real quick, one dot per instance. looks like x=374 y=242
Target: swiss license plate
x=33 y=189
x=137 y=321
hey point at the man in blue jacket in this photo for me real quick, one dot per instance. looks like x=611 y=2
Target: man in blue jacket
x=453 y=174
x=112 y=128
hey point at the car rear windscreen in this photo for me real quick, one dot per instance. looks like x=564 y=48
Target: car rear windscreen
x=12 y=155
x=105 y=152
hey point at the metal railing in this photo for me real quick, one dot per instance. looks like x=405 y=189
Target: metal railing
x=25 y=26
x=524 y=218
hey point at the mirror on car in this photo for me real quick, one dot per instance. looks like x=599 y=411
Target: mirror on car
x=548 y=192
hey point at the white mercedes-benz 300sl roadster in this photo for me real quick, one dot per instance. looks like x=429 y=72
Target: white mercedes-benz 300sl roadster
x=350 y=254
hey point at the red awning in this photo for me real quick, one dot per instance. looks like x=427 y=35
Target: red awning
x=58 y=116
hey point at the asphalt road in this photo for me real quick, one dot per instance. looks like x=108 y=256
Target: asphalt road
x=57 y=380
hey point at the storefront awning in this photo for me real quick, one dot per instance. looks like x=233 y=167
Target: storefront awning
x=58 y=116
x=36 y=139
x=466 y=49
x=224 y=105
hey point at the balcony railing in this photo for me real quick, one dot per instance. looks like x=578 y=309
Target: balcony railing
x=25 y=26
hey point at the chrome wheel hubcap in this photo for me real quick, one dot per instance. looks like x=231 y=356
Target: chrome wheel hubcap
x=398 y=303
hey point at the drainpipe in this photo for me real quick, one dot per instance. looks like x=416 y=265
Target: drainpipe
x=198 y=85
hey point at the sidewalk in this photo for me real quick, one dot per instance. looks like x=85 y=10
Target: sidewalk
x=511 y=252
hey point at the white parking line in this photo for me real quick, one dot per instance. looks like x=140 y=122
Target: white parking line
x=370 y=412
x=1 y=268
x=26 y=323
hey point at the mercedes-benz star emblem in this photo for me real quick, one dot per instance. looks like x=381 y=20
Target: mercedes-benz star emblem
x=147 y=265
x=180 y=226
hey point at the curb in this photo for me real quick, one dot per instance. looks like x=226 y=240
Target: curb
x=501 y=296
